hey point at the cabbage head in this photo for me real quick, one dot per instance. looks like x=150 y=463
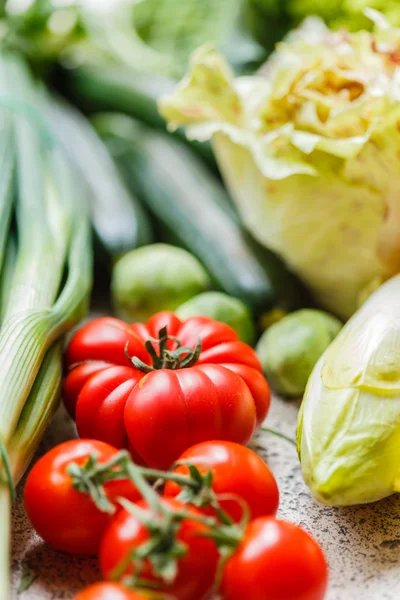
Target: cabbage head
x=310 y=150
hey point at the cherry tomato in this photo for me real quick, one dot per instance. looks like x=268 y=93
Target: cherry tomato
x=65 y=518
x=236 y=471
x=109 y=591
x=275 y=560
x=222 y=395
x=195 y=570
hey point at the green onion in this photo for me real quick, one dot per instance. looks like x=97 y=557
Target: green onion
x=7 y=273
x=6 y=181
x=5 y=507
x=52 y=223
x=118 y=217
x=37 y=412
x=46 y=274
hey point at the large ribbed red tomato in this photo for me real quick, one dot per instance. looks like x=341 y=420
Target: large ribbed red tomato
x=218 y=392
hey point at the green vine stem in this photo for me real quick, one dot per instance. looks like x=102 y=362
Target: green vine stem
x=278 y=434
x=148 y=493
x=196 y=487
x=121 y=466
x=162 y=549
x=183 y=480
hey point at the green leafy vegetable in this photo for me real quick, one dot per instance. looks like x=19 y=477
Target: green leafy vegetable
x=349 y=426
x=309 y=149
x=46 y=273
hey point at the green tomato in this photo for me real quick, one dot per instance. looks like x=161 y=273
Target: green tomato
x=290 y=349
x=224 y=308
x=155 y=278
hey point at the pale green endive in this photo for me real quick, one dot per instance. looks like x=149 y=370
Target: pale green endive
x=349 y=424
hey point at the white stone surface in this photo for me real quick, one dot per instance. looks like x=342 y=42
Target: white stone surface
x=362 y=544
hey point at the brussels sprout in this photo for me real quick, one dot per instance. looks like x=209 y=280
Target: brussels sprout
x=224 y=308
x=290 y=349
x=154 y=278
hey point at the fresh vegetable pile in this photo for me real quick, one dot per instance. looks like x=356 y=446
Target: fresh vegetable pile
x=196 y=314
x=211 y=528
x=164 y=391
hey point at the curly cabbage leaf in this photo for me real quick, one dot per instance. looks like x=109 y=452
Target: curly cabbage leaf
x=309 y=148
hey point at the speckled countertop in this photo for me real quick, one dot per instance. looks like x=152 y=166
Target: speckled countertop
x=362 y=544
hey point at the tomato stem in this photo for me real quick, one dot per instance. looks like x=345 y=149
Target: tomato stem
x=162 y=549
x=196 y=487
x=225 y=518
x=182 y=357
x=184 y=480
x=147 y=492
x=91 y=477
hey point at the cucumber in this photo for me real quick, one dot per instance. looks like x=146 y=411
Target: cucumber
x=119 y=220
x=193 y=210
x=115 y=88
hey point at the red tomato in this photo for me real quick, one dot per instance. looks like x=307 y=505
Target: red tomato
x=65 y=518
x=96 y=347
x=76 y=380
x=159 y=415
x=276 y=560
x=109 y=591
x=196 y=569
x=236 y=470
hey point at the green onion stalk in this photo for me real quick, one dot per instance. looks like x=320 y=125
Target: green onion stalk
x=6 y=272
x=46 y=276
x=7 y=159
